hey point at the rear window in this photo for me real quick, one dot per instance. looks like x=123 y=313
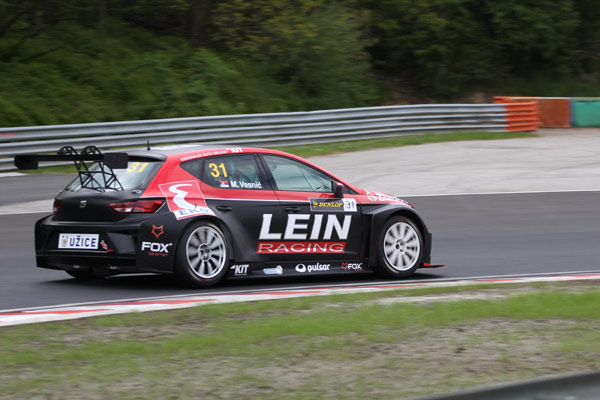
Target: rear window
x=137 y=175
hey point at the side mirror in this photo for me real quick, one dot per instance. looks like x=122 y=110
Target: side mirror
x=337 y=189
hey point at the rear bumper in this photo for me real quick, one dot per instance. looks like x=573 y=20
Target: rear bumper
x=83 y=262
x=116 y=251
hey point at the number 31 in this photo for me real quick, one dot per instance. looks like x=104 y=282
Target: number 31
x=215 y=170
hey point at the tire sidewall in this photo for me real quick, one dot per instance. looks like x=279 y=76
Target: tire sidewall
x=384 y=269
x=183 y=272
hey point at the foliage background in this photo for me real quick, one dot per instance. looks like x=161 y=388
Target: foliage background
x=68 y=61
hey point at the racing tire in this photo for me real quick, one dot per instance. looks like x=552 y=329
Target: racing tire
x=202 y=257
x=90 y=274
x=399 y=248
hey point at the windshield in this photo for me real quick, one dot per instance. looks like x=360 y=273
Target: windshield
x=137 y=175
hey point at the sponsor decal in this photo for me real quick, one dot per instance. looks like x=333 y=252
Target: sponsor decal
x=157 y=230
x=246 y=185
x=240 y=269
x=384 y=198
x=302 y=227
x=105 y=247
x=278 y=270
x=347 y=205
x=228 y=150
x=82 y=203
x=348 y=266
x=307 y=226
x=326 y=205
x=185 y=199
x=157 y=248
x=300 y=247
x=302 y=268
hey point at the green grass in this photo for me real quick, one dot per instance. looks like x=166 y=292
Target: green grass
x=347 y=346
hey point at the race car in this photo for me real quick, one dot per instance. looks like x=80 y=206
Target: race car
x=204 y=213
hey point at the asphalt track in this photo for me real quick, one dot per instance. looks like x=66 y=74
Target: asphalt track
x=474 y=235
x=546 y=221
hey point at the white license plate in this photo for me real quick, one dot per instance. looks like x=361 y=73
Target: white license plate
x=78 y=241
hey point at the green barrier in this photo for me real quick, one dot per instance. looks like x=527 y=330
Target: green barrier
x=586 y=111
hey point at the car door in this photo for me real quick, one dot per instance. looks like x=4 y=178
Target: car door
x=236 y=189
x=317 y=225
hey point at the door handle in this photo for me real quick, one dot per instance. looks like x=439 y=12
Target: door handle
x=292 y=209
x=224 y=208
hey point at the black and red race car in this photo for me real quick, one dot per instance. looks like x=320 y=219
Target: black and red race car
x=205 y=212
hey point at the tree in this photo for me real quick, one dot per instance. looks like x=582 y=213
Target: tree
x=533 y=36
x=439 y=46
x=315 y=45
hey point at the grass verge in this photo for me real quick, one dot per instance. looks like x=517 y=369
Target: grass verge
x=355 y=145
x=358 y=145
x=379 y=345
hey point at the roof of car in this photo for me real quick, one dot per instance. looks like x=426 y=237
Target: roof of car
x=193 y=149
x=175 y=149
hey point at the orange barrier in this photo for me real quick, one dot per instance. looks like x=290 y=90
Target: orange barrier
x=554 y=112
x=521 y=117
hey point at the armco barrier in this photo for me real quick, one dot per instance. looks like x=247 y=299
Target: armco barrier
x=273 y=129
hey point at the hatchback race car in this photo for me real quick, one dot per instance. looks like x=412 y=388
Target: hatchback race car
x=203 y=213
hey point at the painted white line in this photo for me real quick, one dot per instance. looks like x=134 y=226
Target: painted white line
x=57 y=313
x=494 y=193
x=7 y=174
x=39 y=206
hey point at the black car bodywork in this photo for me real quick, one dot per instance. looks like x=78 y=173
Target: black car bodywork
x=204 y=213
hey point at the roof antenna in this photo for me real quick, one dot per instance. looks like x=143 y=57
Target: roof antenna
x=148 y=145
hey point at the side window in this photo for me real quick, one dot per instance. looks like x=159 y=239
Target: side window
x=194 y=167
x=293 y=175
x=232 y=172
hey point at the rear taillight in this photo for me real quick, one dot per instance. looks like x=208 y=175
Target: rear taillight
x=56 y=206
x=140 y=206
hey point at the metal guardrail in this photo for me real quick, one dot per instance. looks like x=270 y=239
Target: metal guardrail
x=268 y=129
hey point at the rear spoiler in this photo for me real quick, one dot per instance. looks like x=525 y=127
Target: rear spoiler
x=111 y=160
x=101 y=178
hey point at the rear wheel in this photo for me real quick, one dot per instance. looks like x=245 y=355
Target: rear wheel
x=399 y=249
x=202 y=255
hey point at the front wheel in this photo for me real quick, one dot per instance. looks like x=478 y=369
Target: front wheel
x=399 y=249
x=202 y=255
